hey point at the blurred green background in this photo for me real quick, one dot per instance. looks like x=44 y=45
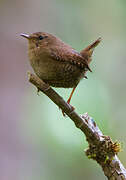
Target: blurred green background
x=36 y=142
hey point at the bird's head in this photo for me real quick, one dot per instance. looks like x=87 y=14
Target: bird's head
x=40 y=40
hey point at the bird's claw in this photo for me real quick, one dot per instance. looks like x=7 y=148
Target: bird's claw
x=72 y=109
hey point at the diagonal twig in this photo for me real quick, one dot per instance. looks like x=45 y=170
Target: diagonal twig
x=101 y=148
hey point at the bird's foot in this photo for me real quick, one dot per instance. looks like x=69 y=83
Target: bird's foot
x=72 y=109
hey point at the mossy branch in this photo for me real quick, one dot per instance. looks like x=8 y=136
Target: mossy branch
x=101 y=148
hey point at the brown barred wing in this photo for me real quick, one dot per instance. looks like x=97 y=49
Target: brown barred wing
x=71 y=56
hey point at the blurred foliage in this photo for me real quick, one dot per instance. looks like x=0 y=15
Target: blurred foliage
x=36 y=141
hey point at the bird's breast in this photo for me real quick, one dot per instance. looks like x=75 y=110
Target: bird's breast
x=55 y=73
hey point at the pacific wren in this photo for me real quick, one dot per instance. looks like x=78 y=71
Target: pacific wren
x=57 y=63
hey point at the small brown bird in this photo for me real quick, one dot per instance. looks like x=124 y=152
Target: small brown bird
x=57 y=63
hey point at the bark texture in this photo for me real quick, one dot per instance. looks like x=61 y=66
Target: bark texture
x=101 y=148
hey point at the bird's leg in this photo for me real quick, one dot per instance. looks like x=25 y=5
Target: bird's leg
x=69 y=99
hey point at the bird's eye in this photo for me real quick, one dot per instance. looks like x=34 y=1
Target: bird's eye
x=41 y=37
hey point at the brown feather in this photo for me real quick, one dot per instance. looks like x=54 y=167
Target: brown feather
x=88 y=51
x=71 y=57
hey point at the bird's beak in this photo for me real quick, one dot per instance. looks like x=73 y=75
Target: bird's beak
x=25 y=35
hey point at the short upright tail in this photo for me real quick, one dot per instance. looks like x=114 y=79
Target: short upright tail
x=88 y=51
